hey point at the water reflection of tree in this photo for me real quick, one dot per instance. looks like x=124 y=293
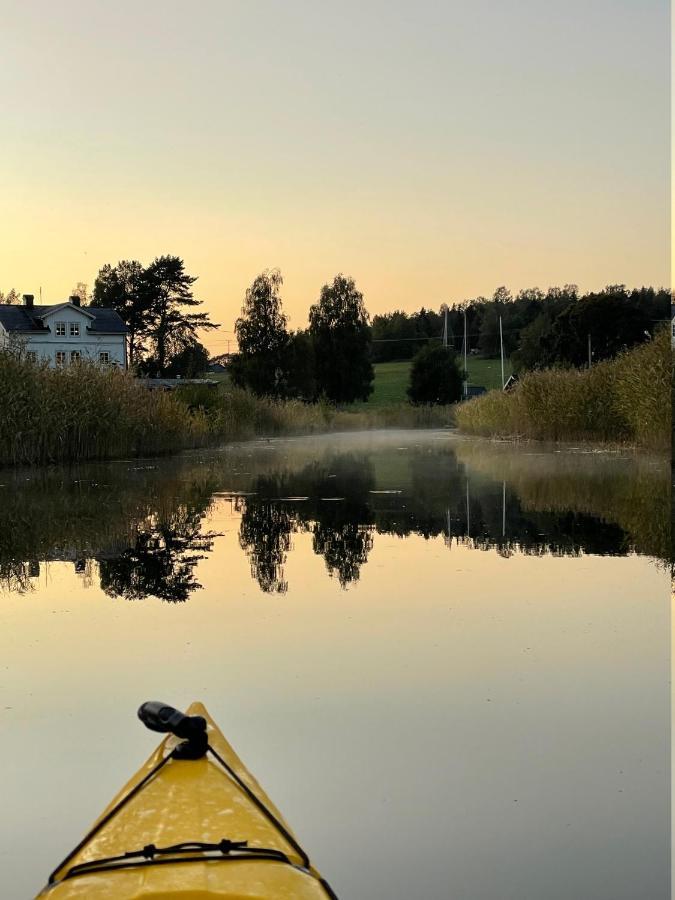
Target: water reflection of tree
x=446 y=497
x=265 y=535
x=162 y=560
x=345 y=548
x=605 y=504
x=141 y=523
x=16 y=575
x=342 y=530
x=329 y=499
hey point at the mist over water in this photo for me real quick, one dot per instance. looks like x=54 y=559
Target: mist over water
x=445 y=659
x=140 y=528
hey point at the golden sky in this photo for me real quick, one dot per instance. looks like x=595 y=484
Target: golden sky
x=432 y=150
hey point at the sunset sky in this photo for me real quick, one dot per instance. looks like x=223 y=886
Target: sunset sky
x=432 y=150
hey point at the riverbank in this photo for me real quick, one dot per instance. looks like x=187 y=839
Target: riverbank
x=235 y=414
x=84 y=412
x=623 y=401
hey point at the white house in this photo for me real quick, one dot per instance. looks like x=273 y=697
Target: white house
x=64 y=333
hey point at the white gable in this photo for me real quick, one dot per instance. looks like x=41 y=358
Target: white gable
x=74 y=313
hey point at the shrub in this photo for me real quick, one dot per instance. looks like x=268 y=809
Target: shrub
x=435 y=376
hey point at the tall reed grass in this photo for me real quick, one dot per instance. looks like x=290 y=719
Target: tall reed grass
x=625 y=400
x=86 y=412
x=236 y=414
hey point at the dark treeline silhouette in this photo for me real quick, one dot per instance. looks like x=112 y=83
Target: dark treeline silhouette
x=157 y=304
x=161 y=561
x=540 y=328
x=329 y=360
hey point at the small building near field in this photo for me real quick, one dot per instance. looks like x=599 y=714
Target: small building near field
x=64 y=333
x=171 y=384
x=473 y=390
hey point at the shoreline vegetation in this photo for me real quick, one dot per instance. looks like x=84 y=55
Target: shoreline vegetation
x=85 y=412
x=626 y=400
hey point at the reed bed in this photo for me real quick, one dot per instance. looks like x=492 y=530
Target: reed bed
x=235 y=414
x=625 y=400
x=85 y=412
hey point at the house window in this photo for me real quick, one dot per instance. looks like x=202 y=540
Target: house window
x=104 y=358
x=74 y=329
x=60 y=329
x=60 y=358
x=31 y=356
x=74 y=356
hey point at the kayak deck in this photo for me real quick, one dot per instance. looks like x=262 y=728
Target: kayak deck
x=182 y=802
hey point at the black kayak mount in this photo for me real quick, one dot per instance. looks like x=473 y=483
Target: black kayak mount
x=192 y=729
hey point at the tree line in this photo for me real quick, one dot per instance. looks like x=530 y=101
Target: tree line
x=333 y=356
x=540 y=329
x=330 y=359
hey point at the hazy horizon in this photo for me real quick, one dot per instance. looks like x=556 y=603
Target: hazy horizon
x=431 y=153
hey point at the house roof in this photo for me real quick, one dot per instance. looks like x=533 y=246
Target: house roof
x=29 y=318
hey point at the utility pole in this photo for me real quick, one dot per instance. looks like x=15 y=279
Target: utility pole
x=503 y=509
x=445 y=325
x=501 y=347
x=466 y=367
x=590 y=355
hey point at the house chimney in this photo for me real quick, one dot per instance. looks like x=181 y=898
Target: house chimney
x=75 y=300
x=28 y=300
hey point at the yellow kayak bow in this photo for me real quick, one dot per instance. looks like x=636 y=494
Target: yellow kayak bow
x=191 y=824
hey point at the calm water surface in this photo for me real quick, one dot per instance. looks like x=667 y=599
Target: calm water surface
x=446 y=660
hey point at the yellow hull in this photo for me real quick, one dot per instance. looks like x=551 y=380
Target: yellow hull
x=189 y=800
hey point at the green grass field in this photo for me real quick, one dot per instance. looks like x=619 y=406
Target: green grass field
x=391 y=379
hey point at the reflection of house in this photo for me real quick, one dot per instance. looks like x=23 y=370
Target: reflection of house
x=64 y=333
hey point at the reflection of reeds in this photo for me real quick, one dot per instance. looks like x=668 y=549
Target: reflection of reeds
x=142 y=523
x=96 y=510
x=624 y=400
x=632 y=493
x=86 y=412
